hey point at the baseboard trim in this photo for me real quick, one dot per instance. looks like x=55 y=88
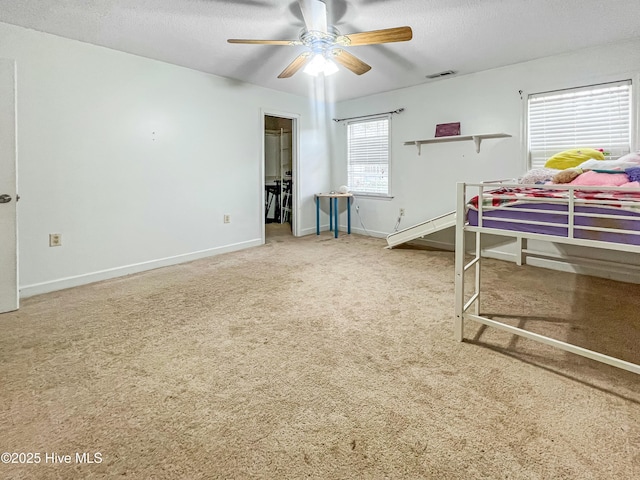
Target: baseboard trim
x=362 y=231
x=570 y=263
x=435 y=244
x=342 y=229
x=497 y=254
x=77 y=280
x=616 y=271
x=312 y=230
x=573 y=264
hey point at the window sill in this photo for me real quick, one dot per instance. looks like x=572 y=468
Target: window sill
x=376 y=196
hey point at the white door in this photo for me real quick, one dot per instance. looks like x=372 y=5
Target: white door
x=8 y=189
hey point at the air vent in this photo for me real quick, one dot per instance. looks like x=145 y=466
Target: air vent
x=441 y=74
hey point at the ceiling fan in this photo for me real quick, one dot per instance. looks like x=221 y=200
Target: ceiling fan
x=325 y=43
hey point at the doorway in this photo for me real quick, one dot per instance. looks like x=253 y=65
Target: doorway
x=280 y=179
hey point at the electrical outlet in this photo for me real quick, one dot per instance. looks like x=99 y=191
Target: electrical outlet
x=227 y=218
x=402 y=212
x=55 y=239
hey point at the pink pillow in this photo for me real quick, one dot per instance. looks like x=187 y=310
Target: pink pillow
x=592 y=178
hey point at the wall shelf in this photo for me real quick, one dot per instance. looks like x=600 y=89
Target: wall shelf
x=477 y=139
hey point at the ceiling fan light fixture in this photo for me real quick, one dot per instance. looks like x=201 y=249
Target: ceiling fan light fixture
x=329 y=68
x=320 y=64
x=324 y=43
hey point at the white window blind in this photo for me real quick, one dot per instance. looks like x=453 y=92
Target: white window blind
x=598 y=116
x=368 y=155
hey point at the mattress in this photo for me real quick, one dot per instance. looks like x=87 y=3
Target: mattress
x=611 y=216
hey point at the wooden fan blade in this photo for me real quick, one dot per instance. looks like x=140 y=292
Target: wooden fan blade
x=388 y=35
x=352 y=62
x=299 y=62
x=264 y=42
x=314 y=13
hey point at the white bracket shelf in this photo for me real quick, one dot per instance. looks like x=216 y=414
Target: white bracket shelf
x=477 y=139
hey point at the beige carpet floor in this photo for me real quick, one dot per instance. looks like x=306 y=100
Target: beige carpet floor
x=321 y=358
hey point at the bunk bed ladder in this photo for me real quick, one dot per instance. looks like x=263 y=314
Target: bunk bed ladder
x=460 y=267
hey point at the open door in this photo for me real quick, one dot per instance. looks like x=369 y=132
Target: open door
x=8 y=189
x=279 y=174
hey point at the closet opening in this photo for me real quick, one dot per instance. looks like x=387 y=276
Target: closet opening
x=278 y=176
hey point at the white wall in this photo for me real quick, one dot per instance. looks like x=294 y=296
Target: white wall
x=125 y=199
x=486 y=102
x=135 y=161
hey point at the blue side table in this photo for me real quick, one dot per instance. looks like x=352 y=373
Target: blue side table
x=333 y=211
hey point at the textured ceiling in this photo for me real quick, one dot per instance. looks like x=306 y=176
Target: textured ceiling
x=462 y=35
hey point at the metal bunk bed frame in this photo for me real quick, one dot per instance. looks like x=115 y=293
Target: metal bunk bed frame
x=463 y=305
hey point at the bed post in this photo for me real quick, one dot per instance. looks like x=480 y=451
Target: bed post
x=459 y=268
x=521 y=246
x=477 y=267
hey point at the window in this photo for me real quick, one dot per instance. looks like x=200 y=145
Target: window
x=368 y=156
x=598 y=116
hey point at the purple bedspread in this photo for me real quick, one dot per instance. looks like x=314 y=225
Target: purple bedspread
x=561 y=230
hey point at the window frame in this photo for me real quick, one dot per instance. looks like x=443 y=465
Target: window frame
x=368 y=193
x=630 y=80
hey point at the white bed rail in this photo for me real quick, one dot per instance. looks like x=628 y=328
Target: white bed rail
x=571 y=214
x=466 y=191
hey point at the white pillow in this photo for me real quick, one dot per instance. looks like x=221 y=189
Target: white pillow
x=619 y=164
x=631 y=157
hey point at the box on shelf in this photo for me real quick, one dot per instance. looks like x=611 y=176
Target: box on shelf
x=447 y=129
